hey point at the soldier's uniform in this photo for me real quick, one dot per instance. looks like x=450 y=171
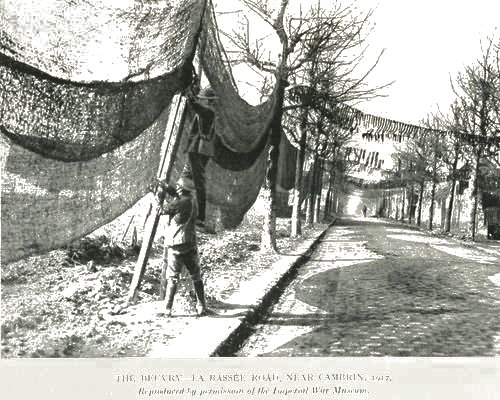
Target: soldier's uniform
x=180 y=241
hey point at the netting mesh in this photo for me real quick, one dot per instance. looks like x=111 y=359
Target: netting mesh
x=72 y=122
x=287 y=164
x=230 y=192
x=94 y=40
x=46 y=203
x=241 y=128
x=81 y=146
x=65 y=99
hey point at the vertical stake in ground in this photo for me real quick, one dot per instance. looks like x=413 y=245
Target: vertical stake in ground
x=173 y=133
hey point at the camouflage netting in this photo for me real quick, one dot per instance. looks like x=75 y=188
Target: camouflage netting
x=46 y=203
x=287 y=164
x=72 y=121
x=85 y=90
x=241 y=128
x=236 y=173
x=81 y=79
x=230 y=193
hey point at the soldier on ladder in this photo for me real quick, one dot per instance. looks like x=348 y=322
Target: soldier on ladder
x=200 y=146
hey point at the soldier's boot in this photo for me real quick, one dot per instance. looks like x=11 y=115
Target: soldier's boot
x=201 y=304
x=169 y=296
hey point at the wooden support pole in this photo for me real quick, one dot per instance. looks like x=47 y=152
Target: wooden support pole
x=128 y=227
x=169 y=149
x=163 y=276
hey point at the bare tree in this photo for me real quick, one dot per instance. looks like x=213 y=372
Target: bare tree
x=314 y=45
x=452 y=152
x=327 y=76
x=478 y=95
x=412 y=168
x=252 y=54
x=433 y=146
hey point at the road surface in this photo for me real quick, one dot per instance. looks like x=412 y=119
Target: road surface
x=375 y=288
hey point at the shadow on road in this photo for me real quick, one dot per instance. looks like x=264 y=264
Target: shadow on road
x=414 y=301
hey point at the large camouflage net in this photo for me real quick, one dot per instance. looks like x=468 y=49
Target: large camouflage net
x=46 y=203
x=64 y=98
x=85 y=90
x=72 y=121
x=241 y=128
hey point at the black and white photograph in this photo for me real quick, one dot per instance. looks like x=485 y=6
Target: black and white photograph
x=277 y=199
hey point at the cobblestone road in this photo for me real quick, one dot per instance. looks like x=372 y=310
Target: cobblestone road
x=374 y=288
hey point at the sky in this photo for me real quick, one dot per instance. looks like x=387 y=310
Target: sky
x=425 y=43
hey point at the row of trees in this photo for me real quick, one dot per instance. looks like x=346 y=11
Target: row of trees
x=463 y=142
x=318 y=67
x=321 y=50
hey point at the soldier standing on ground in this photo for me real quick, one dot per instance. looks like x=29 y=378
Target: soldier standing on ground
x=180 y=241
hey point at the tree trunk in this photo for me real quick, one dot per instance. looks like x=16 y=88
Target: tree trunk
x=310 y=208
x=268 y=237
x=312 y=192
x=410 y=204
x=389 y=205
x=431 y=207
x=327 y=212
x=420 y=201
x=449 y=213
x=459 y=211
x=330 y=191
x=393 y=209
x=395 y=206
x=403 y=203
x=331 y=182
x=317 y=214
x=381 y=212
x=474 y=197
x=296 y=228
x=333 y=203
x=443 y=213
x=396 y=201
x=433 y=190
